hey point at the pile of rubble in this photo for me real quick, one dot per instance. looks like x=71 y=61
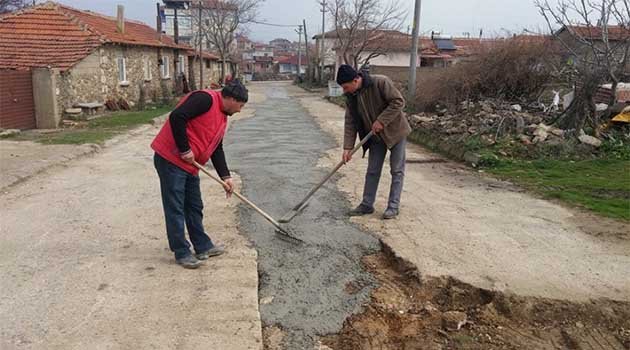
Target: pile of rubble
x=493 y=120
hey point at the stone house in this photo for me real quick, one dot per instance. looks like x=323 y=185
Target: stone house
x=391 y=48
x=575 y=37
x=188 y=25
x=289 y=64
x=84 y=59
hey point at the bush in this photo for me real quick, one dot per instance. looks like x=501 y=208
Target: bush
x=616 y=149
x=516 y=70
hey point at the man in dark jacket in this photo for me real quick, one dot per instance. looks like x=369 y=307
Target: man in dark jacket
x=193 y=132
x=373 y=103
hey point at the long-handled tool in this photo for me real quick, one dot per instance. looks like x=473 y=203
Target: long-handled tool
x=300 y=206
x=280 y=231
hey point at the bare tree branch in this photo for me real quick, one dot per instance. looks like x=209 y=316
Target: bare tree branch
x=600 y=50
x=220 y=21
x=12 y=5
x=359 y=24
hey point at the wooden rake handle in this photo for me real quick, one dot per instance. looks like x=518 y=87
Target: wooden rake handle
x=330 y=174
x=239 y=196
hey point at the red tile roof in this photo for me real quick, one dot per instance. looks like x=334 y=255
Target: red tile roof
x=263 y=59
x=397 y=42
x=292 y=60
x=44 y=36
x=205 y=54
x=595 y=33
x=59 y=36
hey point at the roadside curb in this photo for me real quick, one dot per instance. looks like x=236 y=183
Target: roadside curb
x=90 y=149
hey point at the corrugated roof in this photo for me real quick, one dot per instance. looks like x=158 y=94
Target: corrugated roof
x=59 y=36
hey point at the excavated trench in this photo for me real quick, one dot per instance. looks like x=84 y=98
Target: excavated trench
x=342 y=290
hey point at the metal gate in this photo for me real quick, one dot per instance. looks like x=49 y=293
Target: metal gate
x=17 y=107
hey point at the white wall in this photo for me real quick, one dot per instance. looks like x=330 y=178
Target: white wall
x=291 y=68
x=393 y=59
x=329 y=53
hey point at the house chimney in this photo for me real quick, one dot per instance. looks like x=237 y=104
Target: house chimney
x=121 y=19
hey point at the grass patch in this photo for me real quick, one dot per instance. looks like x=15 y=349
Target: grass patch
x=598 y=181
x=601 y=185
x=338 y=100
x=97 y=130
x=76 y=137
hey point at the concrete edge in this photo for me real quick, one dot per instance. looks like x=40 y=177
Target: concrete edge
x=94 y=148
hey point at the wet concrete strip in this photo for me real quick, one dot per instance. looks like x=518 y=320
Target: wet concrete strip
x=305 y=288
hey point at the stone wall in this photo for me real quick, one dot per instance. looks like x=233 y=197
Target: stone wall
x=96 y=77
x=211 y=71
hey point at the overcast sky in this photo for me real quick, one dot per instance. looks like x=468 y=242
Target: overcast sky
x=452 y=17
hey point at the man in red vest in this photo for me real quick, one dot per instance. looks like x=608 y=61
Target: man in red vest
x=193 y=132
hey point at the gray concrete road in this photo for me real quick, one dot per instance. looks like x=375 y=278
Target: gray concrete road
x=84 y=263
x=306 y=290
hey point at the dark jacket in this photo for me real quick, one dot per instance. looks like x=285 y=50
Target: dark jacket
x=377 y=99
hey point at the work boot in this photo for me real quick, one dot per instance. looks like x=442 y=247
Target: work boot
x=390 y=213
x=189 y=262
x=214 y=251
x=361 y=210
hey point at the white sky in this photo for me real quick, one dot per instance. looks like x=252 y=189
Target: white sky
x=452 y=17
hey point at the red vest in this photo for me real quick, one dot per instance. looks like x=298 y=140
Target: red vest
x=204 y=134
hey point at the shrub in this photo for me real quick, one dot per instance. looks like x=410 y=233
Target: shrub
x=515 y=70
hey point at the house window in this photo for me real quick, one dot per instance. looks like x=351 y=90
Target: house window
x=148 y=75
x=122 y=70
x=207 y=64
x=181 y=65
x=165 y=68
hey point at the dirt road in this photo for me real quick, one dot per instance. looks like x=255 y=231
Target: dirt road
x=455 y=222
x=84 y=263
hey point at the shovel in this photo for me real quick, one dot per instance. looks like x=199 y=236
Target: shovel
x=304 y=203
x=281 y=232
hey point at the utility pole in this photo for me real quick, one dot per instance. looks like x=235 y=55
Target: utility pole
x=321 y=49
x=199 y=37
x=299 y=31
x=178 y=85
x=414 y=55
x=308 y=61
x=159 y=30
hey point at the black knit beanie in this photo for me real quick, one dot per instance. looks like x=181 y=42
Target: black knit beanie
x=236 y=90
x=345 y=74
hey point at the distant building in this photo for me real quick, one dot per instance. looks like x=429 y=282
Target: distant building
x=281 y=44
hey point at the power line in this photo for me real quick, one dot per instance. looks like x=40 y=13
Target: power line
x=276 y=25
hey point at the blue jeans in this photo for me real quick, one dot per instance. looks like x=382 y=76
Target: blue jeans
x=181 y=199
x=376 y=159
